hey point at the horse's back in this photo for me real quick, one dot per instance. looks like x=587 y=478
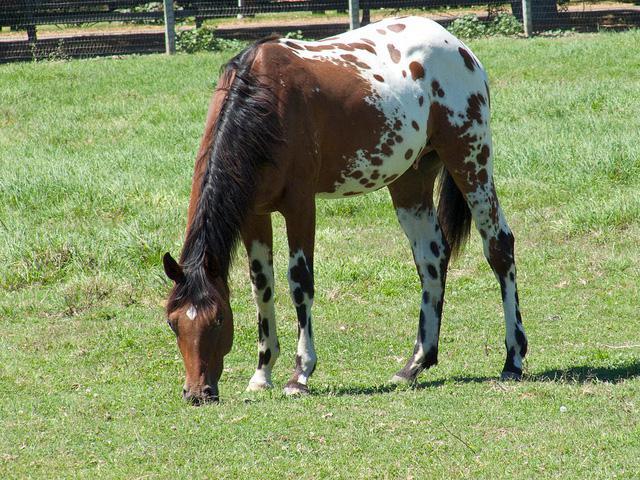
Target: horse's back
x=365 y=97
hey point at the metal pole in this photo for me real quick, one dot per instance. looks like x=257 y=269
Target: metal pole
x=240 y=5
x=169 y=27
x=354 y=14
x=527 y=18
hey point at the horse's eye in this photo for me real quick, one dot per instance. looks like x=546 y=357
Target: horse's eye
x=172 y=326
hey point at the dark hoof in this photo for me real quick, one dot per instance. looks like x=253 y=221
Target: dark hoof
x=295 y=388
x=510 y=376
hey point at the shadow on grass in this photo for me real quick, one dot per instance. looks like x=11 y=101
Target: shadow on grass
x=577 y=374
x=353 y=390
x=586 y=374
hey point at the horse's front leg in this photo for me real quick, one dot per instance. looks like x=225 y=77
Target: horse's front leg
x=258 y=240
x=300 y=220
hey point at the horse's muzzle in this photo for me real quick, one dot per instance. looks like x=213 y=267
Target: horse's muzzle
x=197 y=396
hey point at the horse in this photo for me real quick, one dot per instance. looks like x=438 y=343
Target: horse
x=400 y=104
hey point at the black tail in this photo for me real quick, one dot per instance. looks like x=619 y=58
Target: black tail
x=453 y=213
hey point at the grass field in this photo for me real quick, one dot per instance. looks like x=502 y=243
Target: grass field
x=96 y=159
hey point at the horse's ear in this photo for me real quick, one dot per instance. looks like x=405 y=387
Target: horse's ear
x=172 y=269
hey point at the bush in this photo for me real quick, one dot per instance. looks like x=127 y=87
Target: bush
x=506 y=24
x=470 y=26
x=204 y=39
x=297 y=35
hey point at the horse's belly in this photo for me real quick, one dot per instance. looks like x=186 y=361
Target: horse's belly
x=394 y=149
x=367 y=173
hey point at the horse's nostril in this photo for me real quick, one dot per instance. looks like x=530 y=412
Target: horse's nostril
x=210 y=395
x=206 y=395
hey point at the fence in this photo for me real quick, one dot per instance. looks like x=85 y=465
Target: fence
x=32 y=29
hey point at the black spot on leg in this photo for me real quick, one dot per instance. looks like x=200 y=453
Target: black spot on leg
x=509 y=365
x=301 y=311
x=310 y=329
x=432 y=271
x=261 y=281
x=422 y=332
x=256 y=266
x=439 y=306
x=522 y=342
x=267 y=356
x=267 y=295
x=501 y=253
x=503 y=288
x=264 y=358
x=298 y=370
x=430 y=358
x=302 y=275
x=264 y=323
x=298 y=296
x=434 y=249
x=512 y=277
x=425 y=297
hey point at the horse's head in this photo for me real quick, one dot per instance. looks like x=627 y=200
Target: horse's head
x=200 y=315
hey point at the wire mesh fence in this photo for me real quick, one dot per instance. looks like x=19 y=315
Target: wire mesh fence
x=36 y=29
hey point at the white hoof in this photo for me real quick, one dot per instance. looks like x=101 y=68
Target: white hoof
x=259 y=386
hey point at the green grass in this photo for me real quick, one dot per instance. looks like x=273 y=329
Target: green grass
x=96 y=159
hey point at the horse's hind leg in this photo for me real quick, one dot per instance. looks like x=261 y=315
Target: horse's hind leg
x=467 y=156
x=257 y=238
x=412 y=196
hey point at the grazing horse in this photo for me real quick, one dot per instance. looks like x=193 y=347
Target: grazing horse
x=393 y=104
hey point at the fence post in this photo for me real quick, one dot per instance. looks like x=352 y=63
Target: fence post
x=527 y=19
x=366 y=17
x=240 y=5
x=31 y=23
x=354 y=14
x=169 y=28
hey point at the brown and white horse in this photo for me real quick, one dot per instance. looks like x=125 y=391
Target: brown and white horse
x=392 y=105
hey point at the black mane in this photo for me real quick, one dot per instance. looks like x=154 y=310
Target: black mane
x=244 y=136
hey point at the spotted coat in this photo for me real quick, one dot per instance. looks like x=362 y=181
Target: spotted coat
x=387 y=105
